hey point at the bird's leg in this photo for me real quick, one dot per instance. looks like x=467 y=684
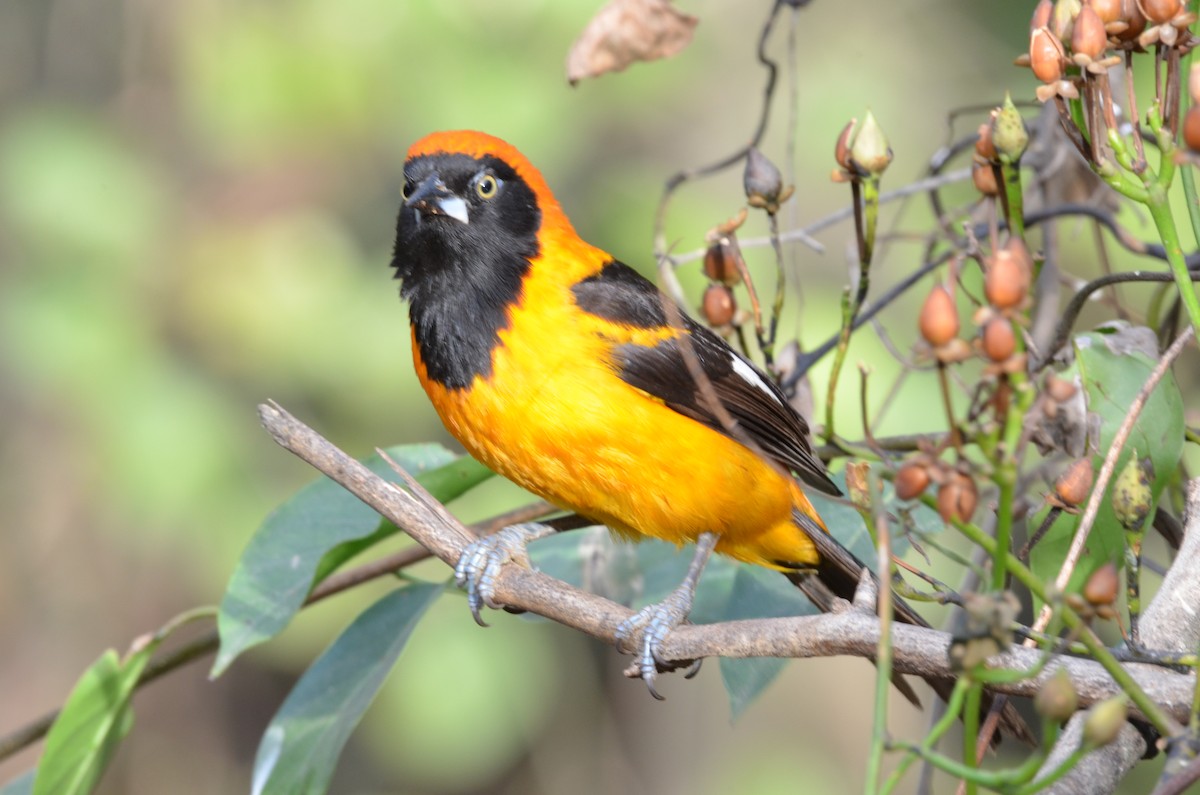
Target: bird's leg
x=482 y=560
x=657 y=620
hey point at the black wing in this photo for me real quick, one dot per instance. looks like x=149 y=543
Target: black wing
x=621 y=295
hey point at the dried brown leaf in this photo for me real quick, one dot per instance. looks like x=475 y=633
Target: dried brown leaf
x=626 y=31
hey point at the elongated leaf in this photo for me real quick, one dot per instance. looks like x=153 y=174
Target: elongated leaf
x=312 y=534
x=1113 y=365
x=92 y=723
x=21 y=785
x=301 y=746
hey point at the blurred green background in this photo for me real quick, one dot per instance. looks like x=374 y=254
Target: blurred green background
x=196 y=209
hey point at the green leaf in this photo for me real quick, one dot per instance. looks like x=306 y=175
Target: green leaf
x=1113 y=364
x=92 y=723
x=757 y=593
x=21 y=785
x=301 y=746
x=312 y=534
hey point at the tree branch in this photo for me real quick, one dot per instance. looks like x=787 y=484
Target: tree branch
x=851 y=631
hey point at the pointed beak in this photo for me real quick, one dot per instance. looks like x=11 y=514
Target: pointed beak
x=432 y=197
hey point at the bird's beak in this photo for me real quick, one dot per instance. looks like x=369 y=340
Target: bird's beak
x=432 y=197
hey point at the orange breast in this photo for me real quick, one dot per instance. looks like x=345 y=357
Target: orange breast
x=555 y=418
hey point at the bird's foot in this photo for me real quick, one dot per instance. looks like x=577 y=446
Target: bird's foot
x=482 y=561
x=655 y=622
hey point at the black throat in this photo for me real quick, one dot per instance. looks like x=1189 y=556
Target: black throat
x=462 y=280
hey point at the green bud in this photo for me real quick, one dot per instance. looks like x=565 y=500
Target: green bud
x=1008 y=132
x=1057 y=700
x=1104 y=721
x=870 y=151
x=1131 y=495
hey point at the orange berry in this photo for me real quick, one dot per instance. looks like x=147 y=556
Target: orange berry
x=985 y=179
x=957 y=497
x=1160 y=11
x=1041 y=15
x=1075 y=483
x=1191 y=128
x=719 y=305
x=721 y=262
x=1107 y=10
x=911 y=480
x=983 y=144
x=1009 y=274
x=1089 y=37
x=939 y=317
x=1101 y=588
x=999 y=341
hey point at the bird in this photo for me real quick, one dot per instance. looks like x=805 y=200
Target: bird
x=565 y=370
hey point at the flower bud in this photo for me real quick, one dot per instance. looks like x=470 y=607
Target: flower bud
x=1062 y=21
x=1089 y=38
x=1104 y=721
x=999 y=341
x=1008 y=132
x=722 y=261
x=1047 y=58
x=911 y=480
x=869 y=150
x=1101 y=588
x=762 y=181
x=1132 y=498
x=719 y=305
x=1057 y=700
x=1075 y=483
x=939 y=317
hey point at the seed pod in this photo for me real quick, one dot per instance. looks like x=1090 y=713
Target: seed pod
x=939 y=317
x=721 y=262
x=1160 y=11
x=957 y=497
x=983 y=144
x=984 y=177
x=1132 y=498
x=1104 y=721
x=1075 y=483
x=1107 y=10
x=1062 y=21
x=1060 y=389
x=1041 y=15
x=761 y=179
x=999 y=341
x=911 y=480
x=1008 y=275
x=1101 y=588
x=1058 y=699
x=1135 y=21
x=1089 y=38
x=841 y=150
x=719 y=305
x=1191 y=126
x=1046 y=56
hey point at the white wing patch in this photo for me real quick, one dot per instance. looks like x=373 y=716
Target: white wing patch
x=752 y=376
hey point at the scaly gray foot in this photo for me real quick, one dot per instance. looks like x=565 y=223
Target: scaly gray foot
x=655 y=622
x=482 y=561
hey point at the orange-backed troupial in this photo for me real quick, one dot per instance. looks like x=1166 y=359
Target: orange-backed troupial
x=558 y=367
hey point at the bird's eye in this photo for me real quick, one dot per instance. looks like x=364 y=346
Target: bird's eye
x=407 y=189
x=487 y=186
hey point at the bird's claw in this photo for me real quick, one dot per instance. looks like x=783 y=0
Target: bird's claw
x=654 y=622
x=482 y=561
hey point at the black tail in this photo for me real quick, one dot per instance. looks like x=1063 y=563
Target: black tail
x=837 y=576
